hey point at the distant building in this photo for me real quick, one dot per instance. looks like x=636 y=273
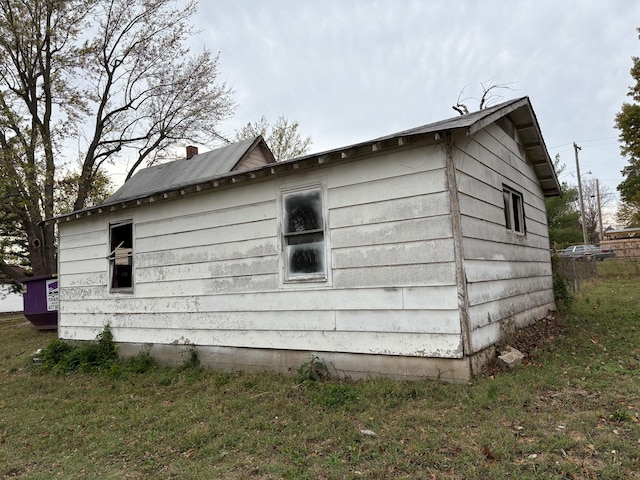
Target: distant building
x=625 y=242
x=10 y=300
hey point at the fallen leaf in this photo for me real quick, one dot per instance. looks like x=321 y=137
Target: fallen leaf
x=489 y=454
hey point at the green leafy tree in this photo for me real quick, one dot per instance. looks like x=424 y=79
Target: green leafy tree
x=13 y=240
x=131 y=86
x=283 y=137
x=627 y=121
x=564 y=218
x=628 y=215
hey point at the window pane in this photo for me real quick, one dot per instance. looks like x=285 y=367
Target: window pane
x=122 y=275
x=507 y=208
x=303 y=211
x=306 y=258
x=517 y=215
x=122 y=236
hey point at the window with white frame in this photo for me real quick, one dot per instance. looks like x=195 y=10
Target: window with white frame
x=303 y=236
x=513 y=210
x=121 y=256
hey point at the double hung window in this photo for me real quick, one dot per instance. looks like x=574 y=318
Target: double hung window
x=513 y=210
x=304 y=236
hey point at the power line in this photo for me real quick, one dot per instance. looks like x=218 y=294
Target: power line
x=583 y=141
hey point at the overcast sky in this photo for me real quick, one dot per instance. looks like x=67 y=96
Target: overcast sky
x=350 y=71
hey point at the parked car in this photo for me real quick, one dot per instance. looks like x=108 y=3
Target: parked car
x=587 y=251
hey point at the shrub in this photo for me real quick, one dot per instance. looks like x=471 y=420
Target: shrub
x=54 y=353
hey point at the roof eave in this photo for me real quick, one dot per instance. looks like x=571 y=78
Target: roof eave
x=242 y=176
x=530 y=133
x=535 y=149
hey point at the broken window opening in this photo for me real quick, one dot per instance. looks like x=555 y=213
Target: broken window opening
x=121 y=256
x=513 y=210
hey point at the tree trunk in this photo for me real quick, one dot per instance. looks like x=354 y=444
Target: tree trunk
x=42 y=249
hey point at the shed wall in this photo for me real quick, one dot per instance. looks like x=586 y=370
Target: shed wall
x=207 y=269
x=508 y=274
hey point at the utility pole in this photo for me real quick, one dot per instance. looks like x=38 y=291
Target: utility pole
x=599 y=209
x=583 y=217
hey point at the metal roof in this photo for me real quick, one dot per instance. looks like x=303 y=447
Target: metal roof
x=525 y=122
x=183 y=173
x=214 y=169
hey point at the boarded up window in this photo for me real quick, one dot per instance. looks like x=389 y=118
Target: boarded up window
x=303 y=231
x=513 y=210
x=121 y=256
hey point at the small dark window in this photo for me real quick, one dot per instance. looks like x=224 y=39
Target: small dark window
x=121 y=256
x=303 y=231
x=513 y=210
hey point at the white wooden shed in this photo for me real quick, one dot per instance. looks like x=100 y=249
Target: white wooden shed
x=408 y=255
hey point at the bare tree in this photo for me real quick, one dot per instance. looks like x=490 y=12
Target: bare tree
x=591 y=207
x=147 y=90
x=283 y=137
x=37 y=104
x=134 y=83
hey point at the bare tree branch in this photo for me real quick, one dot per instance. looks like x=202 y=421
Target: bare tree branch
x=489 y=96
x=152 y=91
x=132 y=86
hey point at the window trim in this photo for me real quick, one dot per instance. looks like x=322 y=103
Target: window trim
x=514 y=200
x=313 y=279
x=111 y=257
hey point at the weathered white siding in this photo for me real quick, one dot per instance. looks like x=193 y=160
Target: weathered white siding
x=207 y=267
x=508 y=275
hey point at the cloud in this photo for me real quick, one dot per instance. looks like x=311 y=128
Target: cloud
x=353 y=70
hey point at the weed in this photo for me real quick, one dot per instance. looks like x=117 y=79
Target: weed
x=508 y=331
x=561 y=289
x=61 y=357
x=336 y=395
x=192 y=361
x=140 y=363
x=54 y=353
x=621 y=416
x=312 y=371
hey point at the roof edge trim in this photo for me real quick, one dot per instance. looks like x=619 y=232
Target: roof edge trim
x=492 y=117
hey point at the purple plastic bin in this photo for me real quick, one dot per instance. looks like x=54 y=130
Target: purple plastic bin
x=40 y=297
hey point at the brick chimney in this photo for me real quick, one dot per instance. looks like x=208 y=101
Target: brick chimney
x=191 y=151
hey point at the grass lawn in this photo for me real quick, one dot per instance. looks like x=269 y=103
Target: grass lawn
x=570 y=411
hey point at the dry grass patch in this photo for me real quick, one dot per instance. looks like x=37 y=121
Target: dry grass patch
x=570 y=411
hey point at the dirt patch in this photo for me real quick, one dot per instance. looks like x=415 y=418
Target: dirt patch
x=538 y=335
x=529 y=340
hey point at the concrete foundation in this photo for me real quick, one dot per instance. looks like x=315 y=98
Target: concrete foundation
x=340 y=365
